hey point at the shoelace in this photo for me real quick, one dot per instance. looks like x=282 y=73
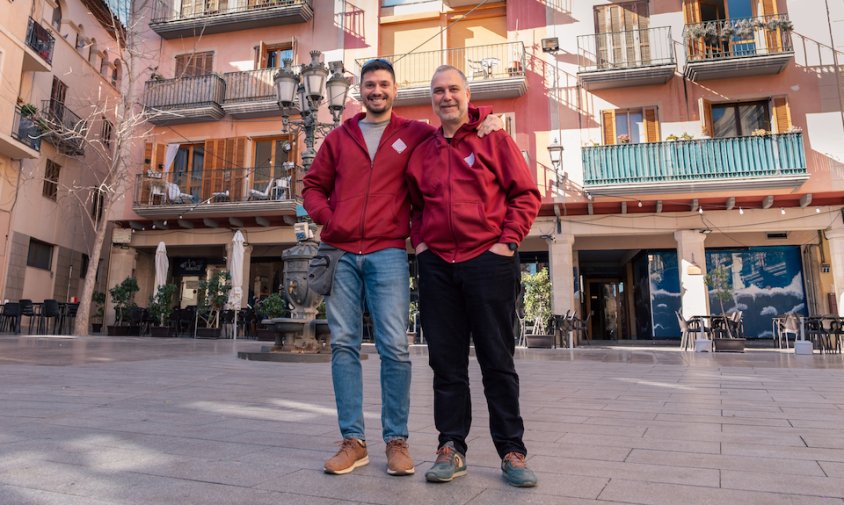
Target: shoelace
x=397 y=444
x=517 y=460
x=444 y=454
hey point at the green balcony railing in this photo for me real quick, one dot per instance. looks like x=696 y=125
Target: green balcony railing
x=767 y=156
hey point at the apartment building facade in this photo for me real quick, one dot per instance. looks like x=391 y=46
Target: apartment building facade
x=62 y=73
x=690 y=134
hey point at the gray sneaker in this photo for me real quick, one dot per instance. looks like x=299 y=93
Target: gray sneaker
x=516 y=471
x=449 y=464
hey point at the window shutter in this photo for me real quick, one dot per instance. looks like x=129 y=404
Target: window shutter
x=691 y=12
x=766 y=8
x=706 y=116
x=261 y=56
x=208 y=64
x=147 y=156
x=608 y=120
x=651 y=125
x=159 y=157
x=782 y=114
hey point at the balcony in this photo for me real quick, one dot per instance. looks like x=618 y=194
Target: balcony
x=251 y=94
x=217 y=16
x=621 y=59
x=493 y=71
x=40 y=41
x=738 y=47
x=25 y=139
x=239 y=192
x=769 y=161
x=185 y=100
x=62 y=127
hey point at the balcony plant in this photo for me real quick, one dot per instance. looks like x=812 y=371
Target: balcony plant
x=213 y=294
x=759 y=132
x=161 y=308
x=122 y=296
x=780 y=23
x=28 y=110
x=624 y=139
x=671 y=138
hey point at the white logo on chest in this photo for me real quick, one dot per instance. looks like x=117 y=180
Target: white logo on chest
x=470 y=160
x=399 y=146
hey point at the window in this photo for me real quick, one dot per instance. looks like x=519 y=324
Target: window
x=194 y=64
x=740 y=119
x=51 y=180
x=92 y=53
x=273 y=56
x=630 y=126
x=98 y=198
x=81 y=42
x=622 y=39
x=106 y=133
x=116 y=73
x=743 y=118
x=40 y=255
x=57 y=18
x=84 y=268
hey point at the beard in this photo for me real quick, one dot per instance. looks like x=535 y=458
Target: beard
x=384 y=105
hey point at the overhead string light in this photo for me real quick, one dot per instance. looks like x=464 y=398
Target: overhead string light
x=741 y=211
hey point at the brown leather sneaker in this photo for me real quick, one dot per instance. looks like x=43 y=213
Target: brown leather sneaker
x=351 y=455
x=399 y=461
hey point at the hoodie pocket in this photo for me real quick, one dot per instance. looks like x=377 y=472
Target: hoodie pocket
x=470 y=220
x=345 y=220
x=384 y=217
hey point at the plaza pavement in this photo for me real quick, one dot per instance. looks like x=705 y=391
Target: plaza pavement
x=105 y=420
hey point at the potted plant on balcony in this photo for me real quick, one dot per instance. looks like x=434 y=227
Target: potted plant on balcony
x=98 y=299
x=624 y=138
x=213 y=294
x=270 y=307
x=718 y=279
x=122 y=296
x=160 y=308
x=780 y=23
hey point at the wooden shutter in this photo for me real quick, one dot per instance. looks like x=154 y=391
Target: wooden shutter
x=181 y=63
x=691 y=12
x=159 y=157
x=782 y=114
x=651 y=125
x=706 y=116
x=261 y=56
x=608 y=126
x=147 y=156
x=224 y=160
x=766 y=8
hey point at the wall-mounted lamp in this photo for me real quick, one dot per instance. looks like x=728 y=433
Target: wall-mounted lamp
x=550 y=45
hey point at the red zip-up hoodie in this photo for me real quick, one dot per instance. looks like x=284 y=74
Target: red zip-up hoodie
x=471 y=193
x=361 y=204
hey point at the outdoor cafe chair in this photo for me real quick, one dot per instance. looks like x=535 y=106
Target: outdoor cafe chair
x=818 y=329
x=28 y=310
x=787 y=325
x=11 y=317
x=49 y=310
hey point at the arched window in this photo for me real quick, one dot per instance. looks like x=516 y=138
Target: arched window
x=104 y=65
x=116 y=73
x=92 y=52
x=57 y=18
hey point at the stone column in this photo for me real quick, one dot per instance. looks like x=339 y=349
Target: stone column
x=836 y=262
x=120 y=266
x=691 y=262
x=562 y=276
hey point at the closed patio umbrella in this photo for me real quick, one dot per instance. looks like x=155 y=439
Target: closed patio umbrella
x=162 y=264
x=236 y=271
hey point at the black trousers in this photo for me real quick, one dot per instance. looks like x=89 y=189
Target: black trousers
x=477 y=299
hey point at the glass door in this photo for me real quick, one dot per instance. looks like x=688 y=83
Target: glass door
x=187 y=169
x=270 y=174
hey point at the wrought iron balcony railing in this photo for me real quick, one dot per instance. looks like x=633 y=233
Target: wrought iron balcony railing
x=625 y=50
x=63 y=128
x=185 y=100
x=251 y=85
x=496 y=61
x=215 y=187
x=680 y=162
x=25 y=127
x=172 y=19
x=40 y=40
x=738 y=38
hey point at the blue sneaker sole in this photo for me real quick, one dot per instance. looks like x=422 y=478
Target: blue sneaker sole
x=437 y=478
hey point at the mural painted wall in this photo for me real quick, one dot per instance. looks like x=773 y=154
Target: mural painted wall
x=765 y=281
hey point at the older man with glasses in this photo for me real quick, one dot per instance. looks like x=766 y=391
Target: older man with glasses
x=356 y=189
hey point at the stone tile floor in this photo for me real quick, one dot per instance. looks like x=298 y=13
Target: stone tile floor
x=105 y=420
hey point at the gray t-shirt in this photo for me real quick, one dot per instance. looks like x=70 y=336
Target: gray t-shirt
x=372 y=133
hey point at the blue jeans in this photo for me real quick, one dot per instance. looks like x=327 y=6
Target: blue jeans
x=381 y=280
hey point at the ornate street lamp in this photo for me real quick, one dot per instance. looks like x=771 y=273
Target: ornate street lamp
x=555 y=151
x=310 y=85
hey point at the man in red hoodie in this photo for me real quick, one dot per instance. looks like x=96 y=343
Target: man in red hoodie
x=474 y=200
x=356 y=189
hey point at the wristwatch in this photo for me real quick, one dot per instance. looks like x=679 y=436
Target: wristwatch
x=513 y=246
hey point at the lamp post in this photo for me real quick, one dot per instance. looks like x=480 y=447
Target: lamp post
x=555 y=151
x=310 y=85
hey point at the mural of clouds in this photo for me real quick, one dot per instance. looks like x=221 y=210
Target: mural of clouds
x=768 y=311
x=662 y=306
x=794 y=288
x=662 y=292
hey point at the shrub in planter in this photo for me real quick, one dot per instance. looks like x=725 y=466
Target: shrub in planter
x=98 y=299
x=122 y=296
x=161 y=304
x=213 y=295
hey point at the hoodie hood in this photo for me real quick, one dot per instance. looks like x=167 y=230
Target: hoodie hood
x=477 y=115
